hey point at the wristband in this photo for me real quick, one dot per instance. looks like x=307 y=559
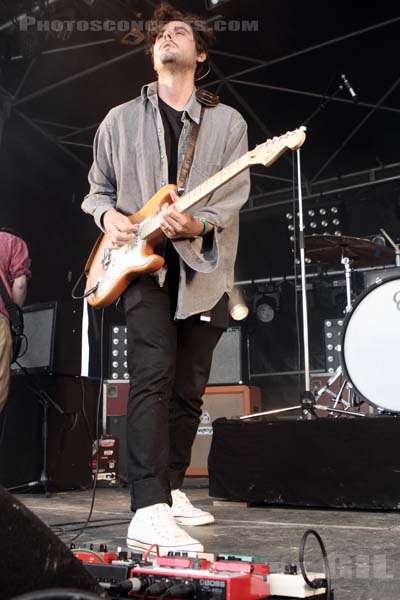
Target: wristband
x=206 y=225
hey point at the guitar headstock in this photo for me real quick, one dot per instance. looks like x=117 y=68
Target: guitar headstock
x=269 y=151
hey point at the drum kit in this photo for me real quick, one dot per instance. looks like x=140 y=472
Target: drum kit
x=369 y=351
x=370 y=336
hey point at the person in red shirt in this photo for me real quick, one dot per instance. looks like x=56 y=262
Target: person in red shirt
x=15 y=272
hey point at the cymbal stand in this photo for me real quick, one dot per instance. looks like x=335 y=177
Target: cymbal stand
x=338 y=396
x=395 y=246
x=346 y=262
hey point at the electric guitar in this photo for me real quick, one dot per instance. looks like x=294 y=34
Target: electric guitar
x=110 y=270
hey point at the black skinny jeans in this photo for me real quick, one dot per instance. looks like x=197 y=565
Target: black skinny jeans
x=169 y=364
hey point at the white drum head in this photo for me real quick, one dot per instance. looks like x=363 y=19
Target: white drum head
x=371 y=346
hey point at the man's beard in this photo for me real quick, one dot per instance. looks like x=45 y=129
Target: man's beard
x=167 y=57
x=174 y=62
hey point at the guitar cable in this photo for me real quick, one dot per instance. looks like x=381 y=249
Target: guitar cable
x=315 y=584
x=85 y=294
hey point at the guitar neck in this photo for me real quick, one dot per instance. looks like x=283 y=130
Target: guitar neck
x=212 y=184
x=151 y=224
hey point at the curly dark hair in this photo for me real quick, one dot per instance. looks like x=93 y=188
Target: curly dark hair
x=204 y=35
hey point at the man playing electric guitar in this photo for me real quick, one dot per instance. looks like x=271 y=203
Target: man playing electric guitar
x=176 y=315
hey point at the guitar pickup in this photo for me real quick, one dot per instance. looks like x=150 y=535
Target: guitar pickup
x=106 y=258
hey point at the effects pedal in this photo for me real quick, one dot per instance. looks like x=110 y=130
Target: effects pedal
x=179 y=575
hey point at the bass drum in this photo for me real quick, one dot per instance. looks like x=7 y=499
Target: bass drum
x=370 y=352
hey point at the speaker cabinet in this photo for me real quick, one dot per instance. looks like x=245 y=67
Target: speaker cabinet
x=53 y=333
x=34 y=559
x=226 y=366
x=39 y=329
x=220 y=401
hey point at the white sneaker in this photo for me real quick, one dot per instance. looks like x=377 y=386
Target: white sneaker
x=155 y=524
x=187 y=514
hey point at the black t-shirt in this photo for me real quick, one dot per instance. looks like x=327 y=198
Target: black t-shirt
x=172 y=130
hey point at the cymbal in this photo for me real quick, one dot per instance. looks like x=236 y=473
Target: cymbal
x=330 y=249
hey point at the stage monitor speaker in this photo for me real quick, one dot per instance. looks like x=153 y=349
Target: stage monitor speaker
x=33 y=558
x=220 y=401
x=39 y=327
x=226 y=366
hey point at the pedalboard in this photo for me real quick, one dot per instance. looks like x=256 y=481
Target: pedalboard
x=179 y=575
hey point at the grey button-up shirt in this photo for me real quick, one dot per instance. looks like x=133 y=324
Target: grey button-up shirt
x=130 y=166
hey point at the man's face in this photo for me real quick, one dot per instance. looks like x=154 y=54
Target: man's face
x=175 y=48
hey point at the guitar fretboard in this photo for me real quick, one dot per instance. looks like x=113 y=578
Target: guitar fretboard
x=265 y=154
x=151 y=224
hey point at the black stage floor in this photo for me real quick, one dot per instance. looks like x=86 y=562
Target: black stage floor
x=363 y=546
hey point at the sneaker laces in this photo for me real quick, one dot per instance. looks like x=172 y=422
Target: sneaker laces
x=162 y=519
x=180 y=499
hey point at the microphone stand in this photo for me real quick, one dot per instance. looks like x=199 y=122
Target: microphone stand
x=307 y=401
x=323 y=104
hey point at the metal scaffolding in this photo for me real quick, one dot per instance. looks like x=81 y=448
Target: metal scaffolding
x=67 y=136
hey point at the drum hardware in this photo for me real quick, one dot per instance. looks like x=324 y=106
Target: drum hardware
x=395 y=246
x=334 y=249
x=350 y=250
x=346 y=262
x=338 y=398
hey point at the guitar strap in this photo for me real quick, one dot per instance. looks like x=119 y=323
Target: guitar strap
x=187 y=161
x=206 y=99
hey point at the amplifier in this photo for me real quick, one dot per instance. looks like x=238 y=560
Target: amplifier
x=39 y=329
x=219 y=401
x=53 y=342
x=115 y=403
x=115 y=399
x=226 y=366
